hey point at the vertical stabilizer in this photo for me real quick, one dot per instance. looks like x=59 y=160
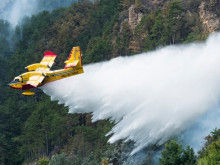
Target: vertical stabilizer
x=75 y=58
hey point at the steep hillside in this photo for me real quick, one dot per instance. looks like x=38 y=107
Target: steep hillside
x=34 y=127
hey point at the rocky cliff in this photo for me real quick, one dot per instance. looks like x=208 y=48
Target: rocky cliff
x=209 y=16
x=204 y=14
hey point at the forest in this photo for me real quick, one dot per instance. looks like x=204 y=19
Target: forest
x=38 y=130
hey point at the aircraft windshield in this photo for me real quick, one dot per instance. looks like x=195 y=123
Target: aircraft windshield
x=16 y=80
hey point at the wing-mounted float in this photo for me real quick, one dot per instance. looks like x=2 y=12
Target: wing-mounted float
x=39 y=74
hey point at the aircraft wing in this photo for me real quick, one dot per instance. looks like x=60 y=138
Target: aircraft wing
x=33 y=81
x=47 y=60
x=45 y=63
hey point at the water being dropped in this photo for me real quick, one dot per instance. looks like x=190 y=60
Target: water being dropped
x=151 y=96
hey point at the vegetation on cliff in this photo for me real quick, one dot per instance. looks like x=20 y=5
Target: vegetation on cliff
x=35 y=127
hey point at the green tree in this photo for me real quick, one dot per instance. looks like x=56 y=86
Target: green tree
x=44 y=129
x=43 y=161
x=211 y=155
x=98 y=50
x=213 y=137
x=123 y=40
x=158 y=29
x=175 y=21
x=156 y=34
x=60 y=159
x=174 y=154
x=188 y=156
x=142 y=33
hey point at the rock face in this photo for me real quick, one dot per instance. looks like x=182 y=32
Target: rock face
x=133 y=18
x=206 y=13
x=209 y=19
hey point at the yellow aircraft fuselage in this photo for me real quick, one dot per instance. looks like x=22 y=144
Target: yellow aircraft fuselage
x=40 y=74
x=50 y=76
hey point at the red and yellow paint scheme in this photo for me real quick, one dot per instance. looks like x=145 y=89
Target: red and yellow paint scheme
x=40 y=73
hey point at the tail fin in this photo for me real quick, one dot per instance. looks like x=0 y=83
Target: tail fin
x=75 y=58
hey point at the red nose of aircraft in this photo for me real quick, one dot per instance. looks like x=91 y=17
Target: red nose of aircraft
x=10 y=84
x=15 y=84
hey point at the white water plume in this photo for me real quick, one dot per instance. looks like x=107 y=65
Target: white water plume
x=151 y=96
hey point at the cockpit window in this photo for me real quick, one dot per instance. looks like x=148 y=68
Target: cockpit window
x=16 y=80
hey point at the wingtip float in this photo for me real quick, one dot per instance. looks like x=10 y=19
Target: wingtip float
x=40 y=73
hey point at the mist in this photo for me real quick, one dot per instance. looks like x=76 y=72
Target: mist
x=152 y=97
x=15 y=10
x=20 y=9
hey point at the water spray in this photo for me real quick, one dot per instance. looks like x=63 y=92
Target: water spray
x=151 y=96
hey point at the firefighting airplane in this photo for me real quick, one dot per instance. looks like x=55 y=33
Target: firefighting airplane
x=40 y=74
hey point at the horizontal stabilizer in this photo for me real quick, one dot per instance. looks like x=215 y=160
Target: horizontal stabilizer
x=71 y=65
